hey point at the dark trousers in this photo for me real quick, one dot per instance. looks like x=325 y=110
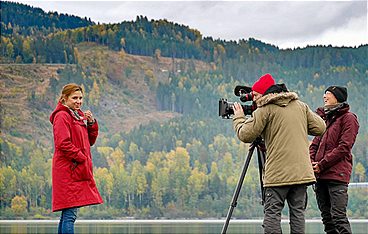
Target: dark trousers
x=332 y=200
x=296 y=196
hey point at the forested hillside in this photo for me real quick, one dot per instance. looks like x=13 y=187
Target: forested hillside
x=27 y=20
x=154 y=86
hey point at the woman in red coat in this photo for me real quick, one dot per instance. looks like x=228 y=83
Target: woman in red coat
x=73 y=184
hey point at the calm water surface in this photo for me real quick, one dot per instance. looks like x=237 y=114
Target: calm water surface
x=160 y=226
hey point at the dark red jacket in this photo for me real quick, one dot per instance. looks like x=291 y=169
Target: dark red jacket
x=73 y=184
x=332 y=150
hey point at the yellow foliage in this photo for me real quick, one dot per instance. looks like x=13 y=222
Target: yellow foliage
x=150 y=167
x=94 y=95
x=150 y=78
x=360 y=171
x=104 y=180
x=19 y=205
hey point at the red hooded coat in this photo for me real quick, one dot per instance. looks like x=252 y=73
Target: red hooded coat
x=73 y=184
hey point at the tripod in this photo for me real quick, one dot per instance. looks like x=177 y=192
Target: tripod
x=261 y=152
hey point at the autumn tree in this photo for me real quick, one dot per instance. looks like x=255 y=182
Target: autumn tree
x=19 y=205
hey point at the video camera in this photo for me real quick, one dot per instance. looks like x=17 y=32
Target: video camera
x=245 y=94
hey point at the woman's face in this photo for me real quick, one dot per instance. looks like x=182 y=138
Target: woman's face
x=75 y=100
x=329 y=99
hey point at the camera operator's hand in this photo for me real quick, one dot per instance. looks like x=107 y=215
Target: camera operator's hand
x=238 y=109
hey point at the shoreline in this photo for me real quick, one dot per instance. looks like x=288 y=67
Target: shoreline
x=112 y=221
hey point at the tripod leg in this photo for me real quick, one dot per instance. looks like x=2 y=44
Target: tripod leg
x=261 y=161
x=238 y=188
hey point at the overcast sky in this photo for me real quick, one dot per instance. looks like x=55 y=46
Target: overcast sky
x=286 y=24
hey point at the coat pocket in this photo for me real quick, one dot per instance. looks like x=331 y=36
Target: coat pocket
x=81 y=171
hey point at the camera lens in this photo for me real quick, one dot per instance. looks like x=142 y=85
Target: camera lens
x=244 y=97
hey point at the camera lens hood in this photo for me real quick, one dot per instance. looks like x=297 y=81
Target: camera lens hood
x=242 y=89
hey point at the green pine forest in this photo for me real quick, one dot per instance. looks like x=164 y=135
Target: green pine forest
x=154 y=87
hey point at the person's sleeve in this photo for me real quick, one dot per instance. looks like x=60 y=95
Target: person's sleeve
x=92 y=133
x=61 y=127
x=313 y=148
x=349 y=131
x=316 y=125
x=248 y=129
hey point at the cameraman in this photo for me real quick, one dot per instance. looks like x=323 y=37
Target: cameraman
x=284 y=123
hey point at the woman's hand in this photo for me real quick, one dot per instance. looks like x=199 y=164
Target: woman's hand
x=88 y=114
x=316 y=168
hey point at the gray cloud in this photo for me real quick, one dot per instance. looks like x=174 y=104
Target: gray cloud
x=282 y=23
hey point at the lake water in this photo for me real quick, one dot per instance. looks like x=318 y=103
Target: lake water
x=161 y=226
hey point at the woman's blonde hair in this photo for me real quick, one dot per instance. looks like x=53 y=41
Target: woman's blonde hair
x=69 y=89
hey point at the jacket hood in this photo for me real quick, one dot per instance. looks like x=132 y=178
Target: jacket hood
x=61 y=107
x=280 y=99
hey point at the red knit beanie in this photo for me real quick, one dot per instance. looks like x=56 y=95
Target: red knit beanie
x=263 y=83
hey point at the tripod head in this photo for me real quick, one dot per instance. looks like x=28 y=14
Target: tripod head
x=259 y=142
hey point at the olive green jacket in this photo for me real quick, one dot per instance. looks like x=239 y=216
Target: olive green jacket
x=284 y=123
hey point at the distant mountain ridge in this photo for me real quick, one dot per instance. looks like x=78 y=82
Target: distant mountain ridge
x=148 y=38
x=16 y=17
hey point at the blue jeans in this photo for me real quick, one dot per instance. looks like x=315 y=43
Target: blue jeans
x=67 y=219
